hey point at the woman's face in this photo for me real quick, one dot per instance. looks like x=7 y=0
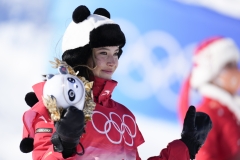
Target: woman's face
x=229 y=78
x=106 y=61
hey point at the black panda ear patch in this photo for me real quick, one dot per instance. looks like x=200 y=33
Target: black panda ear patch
x=102 y=12
x=31 y=99
x=80 y=14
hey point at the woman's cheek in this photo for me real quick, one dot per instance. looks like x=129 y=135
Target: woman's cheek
x=234 y=81
x=238 y=79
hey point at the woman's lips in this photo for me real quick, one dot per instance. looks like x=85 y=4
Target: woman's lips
x=108 y=72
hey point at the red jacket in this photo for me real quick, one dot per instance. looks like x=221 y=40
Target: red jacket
x=111 y=134
x=223 y=141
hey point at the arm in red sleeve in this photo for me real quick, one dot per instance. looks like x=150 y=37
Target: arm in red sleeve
x=175 y=150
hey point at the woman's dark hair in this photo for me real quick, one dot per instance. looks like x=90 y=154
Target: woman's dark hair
x=78 y=58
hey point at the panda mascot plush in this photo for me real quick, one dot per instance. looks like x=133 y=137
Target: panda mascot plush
x=52 y=97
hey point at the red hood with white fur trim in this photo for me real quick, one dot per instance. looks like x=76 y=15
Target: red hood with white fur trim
x=210 y=60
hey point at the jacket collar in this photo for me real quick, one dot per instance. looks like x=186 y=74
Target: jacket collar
x=102 y=89
x=38 y=90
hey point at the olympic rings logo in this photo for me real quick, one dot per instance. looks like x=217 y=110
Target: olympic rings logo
x=121 y=129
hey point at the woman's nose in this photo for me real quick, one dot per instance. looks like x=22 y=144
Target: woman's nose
x=111 y=60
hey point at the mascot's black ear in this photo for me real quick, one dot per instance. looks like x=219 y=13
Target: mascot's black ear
x=26 y=145
x=31 y=99
x=102 y=12
x=80 y=14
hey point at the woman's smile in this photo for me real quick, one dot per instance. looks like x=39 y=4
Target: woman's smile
x=107 y=71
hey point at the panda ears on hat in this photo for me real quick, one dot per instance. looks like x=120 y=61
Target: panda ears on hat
x=102 y=12
x=82 y=12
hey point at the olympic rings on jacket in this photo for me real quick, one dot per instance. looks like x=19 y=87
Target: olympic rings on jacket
x=121 y=128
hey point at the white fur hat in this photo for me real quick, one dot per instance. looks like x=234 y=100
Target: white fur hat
x=210 y=57
x=96 y=29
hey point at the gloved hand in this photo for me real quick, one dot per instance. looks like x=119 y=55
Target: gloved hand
x=196 y=127
x=68 y=131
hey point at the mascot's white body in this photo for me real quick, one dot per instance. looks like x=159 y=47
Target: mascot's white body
x=67 y=89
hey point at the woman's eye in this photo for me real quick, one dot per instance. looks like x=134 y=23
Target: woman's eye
x=116 y=54
x=231 y=65
x=103 y=53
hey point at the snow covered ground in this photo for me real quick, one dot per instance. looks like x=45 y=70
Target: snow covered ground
x=157 y=135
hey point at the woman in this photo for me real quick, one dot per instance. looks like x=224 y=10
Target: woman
x=216 y=78
x=92 y=45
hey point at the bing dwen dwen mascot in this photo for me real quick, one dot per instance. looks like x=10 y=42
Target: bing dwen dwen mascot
x=59 y=92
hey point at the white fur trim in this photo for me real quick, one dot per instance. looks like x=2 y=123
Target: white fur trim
x=210 y=60
x=77 y=35
x=223 y=97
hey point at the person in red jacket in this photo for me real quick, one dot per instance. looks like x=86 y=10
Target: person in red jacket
x=92 y=45
x=216 y=78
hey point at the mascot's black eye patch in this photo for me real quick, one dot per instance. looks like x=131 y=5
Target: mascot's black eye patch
x=72 y=80
x=71 y=95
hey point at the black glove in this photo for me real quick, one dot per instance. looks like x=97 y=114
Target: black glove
x=68 y=131
x=196 y=127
